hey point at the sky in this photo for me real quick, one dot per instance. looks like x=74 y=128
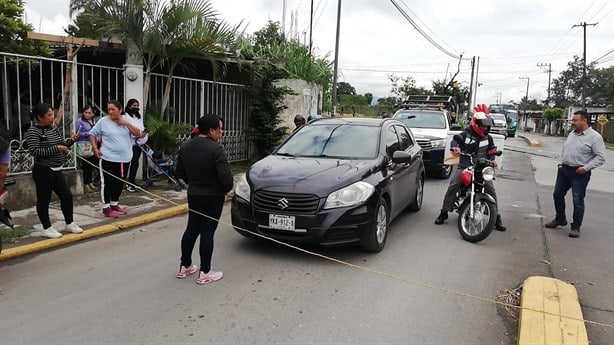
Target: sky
x=510 y=38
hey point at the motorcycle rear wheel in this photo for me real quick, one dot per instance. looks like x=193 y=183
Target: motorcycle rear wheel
x=476 y=229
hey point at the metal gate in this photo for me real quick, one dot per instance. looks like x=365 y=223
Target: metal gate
x=28 y=80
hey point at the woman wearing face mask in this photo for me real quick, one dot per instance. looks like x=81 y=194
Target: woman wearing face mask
x=48 y=147
x=115 y=154
x=135 y=118
x=83 y=126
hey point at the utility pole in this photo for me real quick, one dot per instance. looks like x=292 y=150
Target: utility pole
x=310 y=32
x=477 y=83
x=584 y=25
x=336 y=64
x=283 y=20
x=549 y=65
x=498 y=95
x=472 y=87
x=526 y=99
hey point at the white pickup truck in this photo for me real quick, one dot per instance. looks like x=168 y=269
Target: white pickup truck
x=430 y=127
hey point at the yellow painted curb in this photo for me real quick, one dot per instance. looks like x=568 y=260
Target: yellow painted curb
x=550 y=313
x=531 y=142
x=93 y=232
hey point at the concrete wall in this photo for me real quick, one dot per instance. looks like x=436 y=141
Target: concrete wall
x=23 y=193
x=306 y=101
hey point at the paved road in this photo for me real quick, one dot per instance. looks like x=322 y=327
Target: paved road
x=121 y=288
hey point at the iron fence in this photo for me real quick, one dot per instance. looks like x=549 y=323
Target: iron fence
x=28 y=80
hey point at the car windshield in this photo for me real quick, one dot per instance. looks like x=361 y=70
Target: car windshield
x=422 y=119
x=333 y=140
x=498 y=118
x=512 y=114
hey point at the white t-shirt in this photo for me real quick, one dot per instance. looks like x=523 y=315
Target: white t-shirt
x=138 y=123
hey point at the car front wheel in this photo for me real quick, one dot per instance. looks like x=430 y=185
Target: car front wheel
x=416 y=205
x=374 y=238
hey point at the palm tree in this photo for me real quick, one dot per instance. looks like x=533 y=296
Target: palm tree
x=131 y=21
x=157 y=31
x=191 y=27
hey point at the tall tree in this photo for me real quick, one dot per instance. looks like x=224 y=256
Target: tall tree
x=458 y=92
x=403 y=87
x=13 y=31
x=345 y=88
x=192 y=27
x=157 y=31
x=369 y=98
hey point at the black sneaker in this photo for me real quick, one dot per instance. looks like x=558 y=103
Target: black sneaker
x=442 y=217
x=131 y=189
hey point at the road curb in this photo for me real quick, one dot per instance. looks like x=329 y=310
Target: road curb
x=554 y=297
x=530 y=141
x=11 y=253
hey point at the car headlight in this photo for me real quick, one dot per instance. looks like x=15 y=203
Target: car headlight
x=243 y=190
x=438 y=143
x=488 y=174
x=352 y=195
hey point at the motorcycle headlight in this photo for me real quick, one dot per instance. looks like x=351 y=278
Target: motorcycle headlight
x=488 y=174
x=352 y=195
x=243 y=190
x=438 y=143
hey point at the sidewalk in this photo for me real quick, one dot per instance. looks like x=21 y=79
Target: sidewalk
x=159 y=202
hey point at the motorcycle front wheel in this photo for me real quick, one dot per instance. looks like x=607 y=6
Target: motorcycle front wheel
x=480 y=226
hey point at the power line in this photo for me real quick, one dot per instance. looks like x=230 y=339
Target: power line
x=424 y=34
x=554 y=50
x=604 y=55
x=425 y=25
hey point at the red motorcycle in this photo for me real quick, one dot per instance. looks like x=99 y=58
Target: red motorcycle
x=477 y=210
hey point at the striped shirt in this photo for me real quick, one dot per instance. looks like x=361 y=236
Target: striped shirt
x=42 y=145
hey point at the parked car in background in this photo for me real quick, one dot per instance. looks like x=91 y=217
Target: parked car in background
x=500 y=124
x=511 y=116
x=336 y=181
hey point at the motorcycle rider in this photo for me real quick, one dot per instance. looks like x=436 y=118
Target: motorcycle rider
x=478 y=143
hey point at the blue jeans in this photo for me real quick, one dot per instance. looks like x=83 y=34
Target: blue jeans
x=566 y=178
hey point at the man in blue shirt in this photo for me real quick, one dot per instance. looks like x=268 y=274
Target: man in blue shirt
x=583 y=151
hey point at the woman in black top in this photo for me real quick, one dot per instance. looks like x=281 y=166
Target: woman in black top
x=202 y=163
x=48 y=147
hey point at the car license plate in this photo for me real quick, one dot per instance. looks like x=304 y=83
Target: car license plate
x=281 y=222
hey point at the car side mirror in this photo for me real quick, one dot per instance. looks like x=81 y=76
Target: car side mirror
x=401 y=157
x=455 y=127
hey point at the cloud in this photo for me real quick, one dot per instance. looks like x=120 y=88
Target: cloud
x=52 y=22
x=510 y=36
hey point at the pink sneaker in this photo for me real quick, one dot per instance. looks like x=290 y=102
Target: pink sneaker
x=185 y=272
x=118 y=209
x=108 y=212
x=211 y=276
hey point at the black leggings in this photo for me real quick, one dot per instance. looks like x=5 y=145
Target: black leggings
x=203 y=226
x=88 y=168
x=112 y=185
x=134 y=163
x=47 y=181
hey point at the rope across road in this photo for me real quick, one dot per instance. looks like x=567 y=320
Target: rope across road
x=380 y=273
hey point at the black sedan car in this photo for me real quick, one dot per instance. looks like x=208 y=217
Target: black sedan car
x=336 y=181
